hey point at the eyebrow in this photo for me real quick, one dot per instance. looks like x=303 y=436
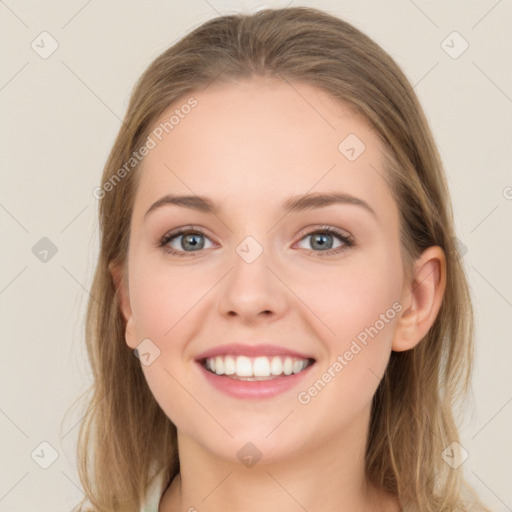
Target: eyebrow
x=297 y=203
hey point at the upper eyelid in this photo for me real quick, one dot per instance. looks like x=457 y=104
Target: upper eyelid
x=333 y=230
x=174 y=233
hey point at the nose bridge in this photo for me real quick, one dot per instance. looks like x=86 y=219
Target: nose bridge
x=250 y=287
x=250 y=249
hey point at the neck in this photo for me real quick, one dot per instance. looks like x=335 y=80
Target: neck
x=328 y=476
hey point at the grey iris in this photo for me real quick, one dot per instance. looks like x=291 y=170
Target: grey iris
x=324 y=241
x=190 y=240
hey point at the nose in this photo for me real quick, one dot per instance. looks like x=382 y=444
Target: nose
x=251 y=291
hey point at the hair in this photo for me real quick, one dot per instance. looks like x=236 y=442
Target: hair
x=125 y=437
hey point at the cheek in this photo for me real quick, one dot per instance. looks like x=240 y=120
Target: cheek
x=174 y=393
x=359 y=304
x=162 y=298
x=352 y=298
x=164 y=305
x=163 y=301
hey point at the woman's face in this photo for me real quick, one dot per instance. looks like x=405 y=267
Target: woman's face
x=261 y=283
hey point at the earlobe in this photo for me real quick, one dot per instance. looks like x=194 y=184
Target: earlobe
x=423 y=298
x=124 y=304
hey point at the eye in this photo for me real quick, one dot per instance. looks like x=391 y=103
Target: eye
x=324 y=241
x=184 y=240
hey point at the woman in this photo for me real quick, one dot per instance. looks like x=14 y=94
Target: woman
x=278 y=252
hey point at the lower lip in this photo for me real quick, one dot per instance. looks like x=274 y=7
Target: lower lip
x=253 y=389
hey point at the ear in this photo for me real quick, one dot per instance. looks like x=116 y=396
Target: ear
x=421 y=299
x=123 y=297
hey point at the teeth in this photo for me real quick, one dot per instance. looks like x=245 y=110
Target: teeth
x=259 y=367
x=276 y=366
x=243 y=367
x=229 y=365
x=219 y=365
x=297 y=366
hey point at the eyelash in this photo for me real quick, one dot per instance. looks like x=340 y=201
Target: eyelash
x=348 y=241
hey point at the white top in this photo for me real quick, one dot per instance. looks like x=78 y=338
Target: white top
x=154 y=494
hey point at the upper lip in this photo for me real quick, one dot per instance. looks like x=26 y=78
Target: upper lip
x=238 y=349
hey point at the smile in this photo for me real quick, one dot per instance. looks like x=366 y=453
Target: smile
x=256 y=368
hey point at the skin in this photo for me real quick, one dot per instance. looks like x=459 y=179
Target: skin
x=249 y=146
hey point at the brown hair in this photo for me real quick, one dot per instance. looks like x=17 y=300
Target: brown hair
x=125 y=437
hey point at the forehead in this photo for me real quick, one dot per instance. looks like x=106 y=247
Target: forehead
x=260 y=141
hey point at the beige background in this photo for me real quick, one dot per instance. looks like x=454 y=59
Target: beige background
x=60 y=115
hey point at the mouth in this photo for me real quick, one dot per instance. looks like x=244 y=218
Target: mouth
x=254 y=369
